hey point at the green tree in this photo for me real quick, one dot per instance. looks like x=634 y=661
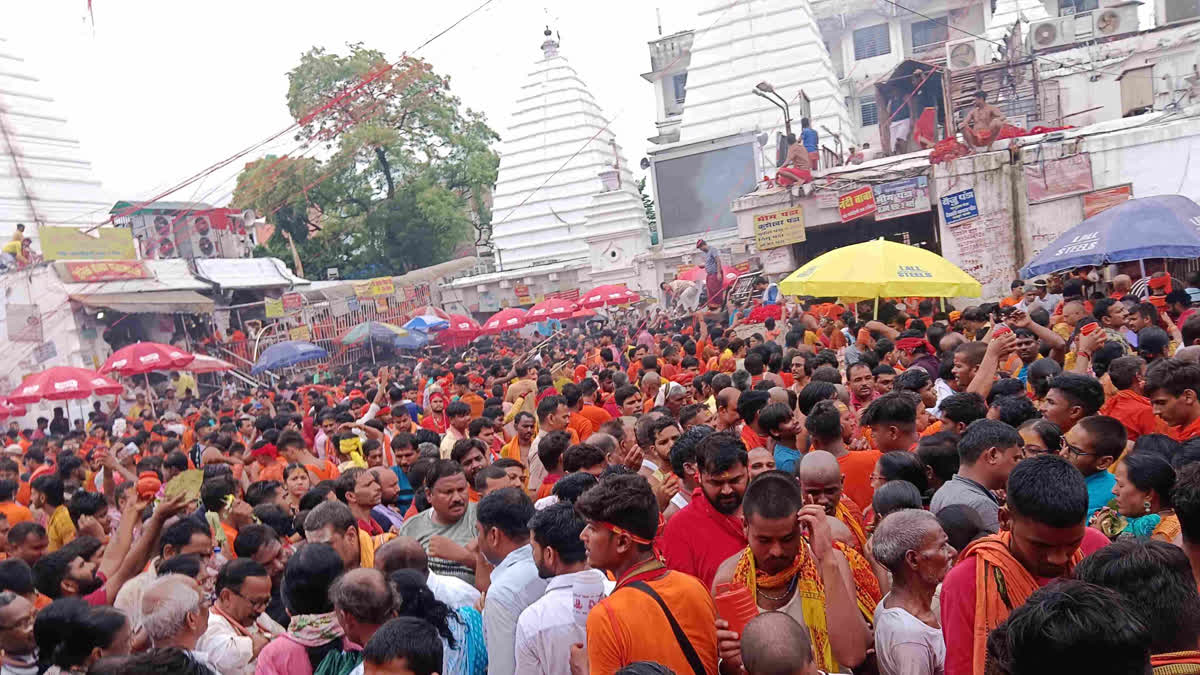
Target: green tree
x=403 y=173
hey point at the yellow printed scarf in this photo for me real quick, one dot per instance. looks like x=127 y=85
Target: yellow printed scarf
x=809 y=587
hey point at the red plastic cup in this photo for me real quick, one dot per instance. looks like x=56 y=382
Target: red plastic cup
x=1001 y=330
x=1089 y=328
x=735 y=605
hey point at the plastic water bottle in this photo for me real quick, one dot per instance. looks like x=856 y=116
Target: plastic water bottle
x=587 y=590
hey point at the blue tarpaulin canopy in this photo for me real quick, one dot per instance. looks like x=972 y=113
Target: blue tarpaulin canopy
x=1164 y=226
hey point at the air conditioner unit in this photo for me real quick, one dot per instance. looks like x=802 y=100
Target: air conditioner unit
x=1085 y=26
x=1052 y=33
x=1115 y=20
x=203 y=238
x=162 y=233
x=968 y=53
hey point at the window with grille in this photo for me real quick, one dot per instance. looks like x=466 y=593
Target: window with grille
x=868 y=111
x=927 y=33
x=872 y=41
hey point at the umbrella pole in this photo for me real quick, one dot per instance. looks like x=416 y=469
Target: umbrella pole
x=1142 y=265
x=371 y=343
x=149 y=396
x=876 y=317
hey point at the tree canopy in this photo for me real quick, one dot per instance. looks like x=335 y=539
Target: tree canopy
x=392 y=172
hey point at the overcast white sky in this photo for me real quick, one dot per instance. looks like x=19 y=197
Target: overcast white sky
x=157 y=91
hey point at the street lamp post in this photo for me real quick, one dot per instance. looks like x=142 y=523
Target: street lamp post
x=765 y=90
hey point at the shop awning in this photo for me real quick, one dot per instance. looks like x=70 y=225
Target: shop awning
x=149 y=302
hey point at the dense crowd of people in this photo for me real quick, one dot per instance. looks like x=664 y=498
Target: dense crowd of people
x=786 y=487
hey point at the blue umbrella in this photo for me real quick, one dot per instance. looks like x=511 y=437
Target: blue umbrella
x=415 y=339
x=1150 y=227
x=427 y=323
x=288 y=353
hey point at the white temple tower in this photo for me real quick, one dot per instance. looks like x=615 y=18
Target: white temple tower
x=564 y=190
x=740 y=43
x=44 y=178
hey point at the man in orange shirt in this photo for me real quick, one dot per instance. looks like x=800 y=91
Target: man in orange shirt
x=578 y=422
x=1016 y=295
x=1129 y=406
x=462 y=387
x=824 y=425
x=1173 y=387
x=588 y=389
x=622 y=520
x=14 y=512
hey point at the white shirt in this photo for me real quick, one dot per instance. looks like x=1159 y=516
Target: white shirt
x=515 y=586
x=547 y=628
x=905 y=645
x=451 y=590
x=230 y=652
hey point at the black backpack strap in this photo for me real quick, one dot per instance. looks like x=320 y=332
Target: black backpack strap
x=689 y=652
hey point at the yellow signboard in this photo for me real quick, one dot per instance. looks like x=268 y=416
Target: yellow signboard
x=274 y=307
x=300 y=333
x=779 y=228
x=374 y=287
x=69 y=243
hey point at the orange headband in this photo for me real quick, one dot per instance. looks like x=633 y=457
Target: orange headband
x=620 y=530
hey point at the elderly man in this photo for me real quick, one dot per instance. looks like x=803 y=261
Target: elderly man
x=406 y=553
x=233 y=638
x=363 y=602
x=908 y=636
x=175 y=614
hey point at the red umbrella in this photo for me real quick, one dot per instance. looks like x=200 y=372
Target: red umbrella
x=208 y=364
x=698 y=274
x=462 y=330
x=430 y=309
x=511 y=318
x=583 y=314
x=63 y=383
x=142 y=357
x=609 y=294
x=8 y=409
x=554 y=308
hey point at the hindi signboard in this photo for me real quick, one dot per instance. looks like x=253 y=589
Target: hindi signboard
x=292 y=302
x=1058 y=177
x=70 y=243
x=107 y=270
x=779 y=228
x=303 y=333
x=959 y=207
x=856 y=204
x=901 y=198
x=1105 y=198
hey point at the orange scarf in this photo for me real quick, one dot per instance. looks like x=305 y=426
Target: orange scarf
x=809 y=587
x=854 y=522
x=1001 y=584
x=1176 y=663
x=866 y=585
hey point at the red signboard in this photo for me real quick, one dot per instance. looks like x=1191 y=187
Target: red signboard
x=107 y=270
x=1058 y=177
x=856 y=204
x=1106 y=198
x=292 y=302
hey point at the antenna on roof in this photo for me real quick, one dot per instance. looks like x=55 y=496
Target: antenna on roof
x=658 y=15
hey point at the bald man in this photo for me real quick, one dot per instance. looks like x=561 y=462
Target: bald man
x=821 y=481
x=778 y=395
x=362 y=602
x=407 y=553
x=727 y=418
x=1120 y=286
x=774 y=643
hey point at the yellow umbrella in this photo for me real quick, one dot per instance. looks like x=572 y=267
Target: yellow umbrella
x=880 y=269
